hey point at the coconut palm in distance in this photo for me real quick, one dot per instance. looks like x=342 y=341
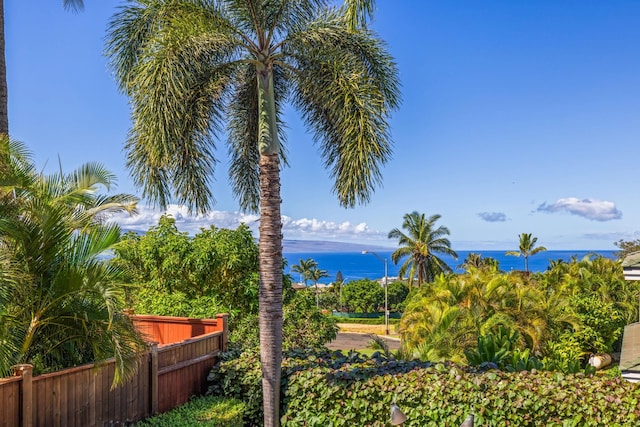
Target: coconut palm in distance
x=527 y=248
x=420 y=247
x=304 y=267
x=315 y=275
x=477 y=261
x=190 y=67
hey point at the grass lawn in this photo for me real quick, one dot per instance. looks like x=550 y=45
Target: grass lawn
x=208 y=411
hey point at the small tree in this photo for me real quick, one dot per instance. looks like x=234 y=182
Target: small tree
x=304 y=267
x=626 y=247
x=398 y=292
x=315 y=275
x=527 y=248
x=169 y=267
x=420 y=247
x=363 y=296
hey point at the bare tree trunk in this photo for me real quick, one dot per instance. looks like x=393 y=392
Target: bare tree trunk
x=4 y=107
x=270 y=287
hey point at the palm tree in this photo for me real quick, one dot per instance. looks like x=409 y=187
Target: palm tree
x=527 y=248
x=315 y=275
x=74 y=5
x=190 y=66
x=477 y=261
x=304 y=268
x=420 y=246
x=60 y=303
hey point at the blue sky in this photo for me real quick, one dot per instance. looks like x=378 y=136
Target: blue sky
x=517 y=116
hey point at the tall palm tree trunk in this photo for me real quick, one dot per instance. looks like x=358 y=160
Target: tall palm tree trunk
x=4 y=107
x=270 y=246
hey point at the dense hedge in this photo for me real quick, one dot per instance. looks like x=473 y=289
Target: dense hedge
x=444 y=395
x=333 y=389
x=365 y=321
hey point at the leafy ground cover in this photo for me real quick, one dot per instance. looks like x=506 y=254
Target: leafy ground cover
x=337 y=389
x=208 y=411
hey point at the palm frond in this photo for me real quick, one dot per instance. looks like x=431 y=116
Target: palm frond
x=341 y=99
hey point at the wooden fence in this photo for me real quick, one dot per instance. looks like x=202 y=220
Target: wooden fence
x=175 y=367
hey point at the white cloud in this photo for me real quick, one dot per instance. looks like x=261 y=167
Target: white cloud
x=293 y=229
x=148 y=217
x=493 y=216
x=593 y=209
x=315 y=229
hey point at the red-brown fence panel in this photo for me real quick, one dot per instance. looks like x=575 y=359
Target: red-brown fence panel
x=168 y=376
x=10 y=402
x=183 y=369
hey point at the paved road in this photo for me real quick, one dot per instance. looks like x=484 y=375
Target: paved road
x=354 y=341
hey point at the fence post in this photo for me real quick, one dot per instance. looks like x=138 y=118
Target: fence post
x=224 y=318
x=26 y=372
x=153 y=377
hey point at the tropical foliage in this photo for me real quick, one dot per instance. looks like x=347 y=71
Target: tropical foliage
x=308 y=270
x=334 y=388
x=477 y=261
x=573 y=309
x=397 y=293
x=304 y=268
x=527 y=248
x=420 y=247
x=61 y=303
x=304 y=326
x=189 y=67
x=214 y=271
x=363 y=296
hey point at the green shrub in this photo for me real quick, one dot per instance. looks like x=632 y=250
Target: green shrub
x=331 y=388
x=499 y=350
x=179 y=304
x=365 y=321
x=304 y=326
x=602 y=324
x=363 y=296
x=444 y=394
x=397 y=292
x=202 y=411
x=240 y=377
x=493 y=348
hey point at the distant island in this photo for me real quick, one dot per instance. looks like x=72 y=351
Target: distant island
x=297 y=246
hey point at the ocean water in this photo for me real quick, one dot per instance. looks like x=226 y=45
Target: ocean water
x=356 y=265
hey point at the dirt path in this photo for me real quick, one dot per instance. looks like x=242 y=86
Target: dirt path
x=355 y=341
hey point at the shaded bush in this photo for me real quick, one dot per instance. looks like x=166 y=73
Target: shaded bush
x=304 y=326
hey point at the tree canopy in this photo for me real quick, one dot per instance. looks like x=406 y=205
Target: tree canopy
x=420 y=247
